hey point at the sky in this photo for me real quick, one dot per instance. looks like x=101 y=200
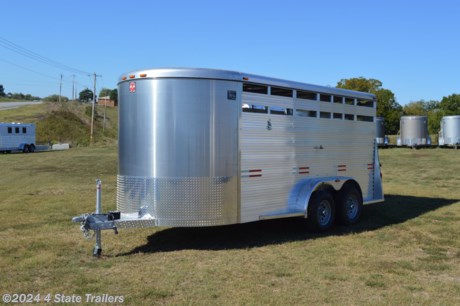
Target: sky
x=412 y=47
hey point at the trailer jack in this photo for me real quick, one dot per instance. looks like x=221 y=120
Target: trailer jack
x=97 y=221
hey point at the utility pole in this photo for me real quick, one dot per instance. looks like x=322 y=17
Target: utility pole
x=60 y=89
x=73 y=87
x=92 y=111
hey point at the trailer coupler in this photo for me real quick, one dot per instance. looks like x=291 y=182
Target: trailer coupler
x=97 y=221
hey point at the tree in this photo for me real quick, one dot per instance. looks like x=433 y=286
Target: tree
x=55 y=98
x=104 y=92
x=360 y=84
x=434 y=120
x=417 y=108
x=450 y=104
x=2 y=91
x=86 y=95
x=114 y=95
x=387 y=106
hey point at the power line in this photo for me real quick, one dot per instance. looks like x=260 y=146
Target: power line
x=5 y=43
x=39 y=73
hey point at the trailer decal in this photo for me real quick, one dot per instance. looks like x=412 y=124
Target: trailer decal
x=258 y=173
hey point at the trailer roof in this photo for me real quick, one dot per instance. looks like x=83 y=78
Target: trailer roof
x=15 y=123
x=204 y=73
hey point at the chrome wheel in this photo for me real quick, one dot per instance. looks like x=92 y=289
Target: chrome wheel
x=324 y=213
x=321 y=211
x=351 y=207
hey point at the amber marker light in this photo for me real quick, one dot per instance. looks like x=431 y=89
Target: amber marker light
x=124 y=78
x=132 y=76
x=245 y=79
x=143 y=75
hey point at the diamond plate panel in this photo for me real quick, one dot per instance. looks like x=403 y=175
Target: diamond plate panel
x=190 y=201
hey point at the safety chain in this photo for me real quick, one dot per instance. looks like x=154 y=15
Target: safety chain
x=85 y=228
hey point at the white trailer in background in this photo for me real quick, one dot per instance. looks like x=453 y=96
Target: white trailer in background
x=203 y=147
x=17 y=137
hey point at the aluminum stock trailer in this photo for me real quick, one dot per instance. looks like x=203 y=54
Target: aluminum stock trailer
x=381 y=138
x=413 y=132
x=203 y=147
x=449 y=135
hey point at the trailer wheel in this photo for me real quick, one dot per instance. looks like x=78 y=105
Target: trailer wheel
x=25 y=149
x=349 y=205
x=32 y=148
x=321 y=210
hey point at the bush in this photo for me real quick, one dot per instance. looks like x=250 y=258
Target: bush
x=63 y=126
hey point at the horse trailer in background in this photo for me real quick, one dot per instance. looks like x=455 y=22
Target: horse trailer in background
x=202 y=147
x=449 y=135
x=17 y=137
x=413 y=132
x=381 y=138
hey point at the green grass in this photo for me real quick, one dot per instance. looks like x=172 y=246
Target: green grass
x=404 y=251
x=27 y=114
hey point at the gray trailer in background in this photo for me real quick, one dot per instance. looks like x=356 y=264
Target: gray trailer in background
x=413 y=132
x=17 y=137
x=203 y=147
x=381 y=138
x=449 y=134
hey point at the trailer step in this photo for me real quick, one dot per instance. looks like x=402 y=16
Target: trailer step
x=285 y=213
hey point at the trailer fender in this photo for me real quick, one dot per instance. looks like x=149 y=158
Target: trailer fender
x=301 y=193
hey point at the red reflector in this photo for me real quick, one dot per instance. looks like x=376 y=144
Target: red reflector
x=132 y=87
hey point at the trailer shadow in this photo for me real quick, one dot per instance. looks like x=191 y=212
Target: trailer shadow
x=396 y=209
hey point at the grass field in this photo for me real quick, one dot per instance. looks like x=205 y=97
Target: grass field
x=404 y=251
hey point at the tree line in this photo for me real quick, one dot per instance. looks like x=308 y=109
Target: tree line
x=388 y=108
x=16 y=96
x=86 y=95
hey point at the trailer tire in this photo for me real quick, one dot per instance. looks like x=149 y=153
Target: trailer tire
x=25 y=149
x=349 y=205
x=32 y=148
x=321 y=211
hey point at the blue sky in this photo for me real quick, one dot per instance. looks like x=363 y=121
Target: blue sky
x=413 y=47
